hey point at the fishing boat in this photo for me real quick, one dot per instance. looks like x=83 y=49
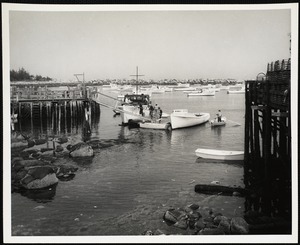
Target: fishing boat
x=156 y=125
x=219 y=154
x=130 y=108
x=215 y=122
x=181 y=118
x=203 y=92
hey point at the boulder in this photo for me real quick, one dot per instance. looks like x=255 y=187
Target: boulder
x=219 y=218
x=81 y=150
x=182 y=224
x=193 y=206
x=174 y=215
x=199 y=225
x=239 y=226
x=39 y=177
x=225 y=226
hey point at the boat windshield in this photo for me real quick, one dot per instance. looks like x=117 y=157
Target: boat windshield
x=137 y=99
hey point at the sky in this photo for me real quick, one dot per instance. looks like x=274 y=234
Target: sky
x=194 y=44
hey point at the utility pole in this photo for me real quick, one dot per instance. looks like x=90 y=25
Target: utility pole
x=137 y=78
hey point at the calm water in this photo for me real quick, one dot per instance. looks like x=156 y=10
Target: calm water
x=126 y=188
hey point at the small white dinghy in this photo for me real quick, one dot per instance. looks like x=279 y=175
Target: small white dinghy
x=156 y=125
x=215 y=122
x=219 y=154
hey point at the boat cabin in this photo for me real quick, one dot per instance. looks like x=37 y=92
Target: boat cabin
x=136 y=99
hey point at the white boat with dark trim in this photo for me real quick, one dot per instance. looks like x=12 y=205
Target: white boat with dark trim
x=219 y=154
x=215 y=122
x=130 y=109
x=181 y=118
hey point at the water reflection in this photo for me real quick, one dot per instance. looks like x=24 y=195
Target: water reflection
x=40 y=195
x=238 y=163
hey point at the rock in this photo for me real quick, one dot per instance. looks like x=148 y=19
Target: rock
x=194 y=206
x=211 y=231
x=194 y=216
x=174 y=215
x=30 y=143
x=239 y=226
x=182 y=224
x=219 y=218
x=46 y=181
x=61 y=140
x=39 y=141
x=59 y=148
x=199 y=225
x=225 y=226
x=39 y=177
x=147 y=233
x=81 y=150
x=17 y=136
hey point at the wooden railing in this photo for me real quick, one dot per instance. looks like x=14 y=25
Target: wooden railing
x=21 y=94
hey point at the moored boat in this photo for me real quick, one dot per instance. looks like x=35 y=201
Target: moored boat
x=156 y=125
x=130 y=110
x=215 y=122
x=181 y=118
x=203 y=92
x=219 y=154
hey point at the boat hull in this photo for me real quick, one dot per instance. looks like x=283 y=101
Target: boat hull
x=186 y=119
x=130 y=112
x=219 y=155
x=159 y=126
x=215 y=123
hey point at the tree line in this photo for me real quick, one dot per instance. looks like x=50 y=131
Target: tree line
x=23 y=75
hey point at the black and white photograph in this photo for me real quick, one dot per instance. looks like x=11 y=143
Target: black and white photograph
x=150 y=123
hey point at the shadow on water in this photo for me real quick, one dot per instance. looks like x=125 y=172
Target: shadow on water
x=40 y=195
x=238 y=163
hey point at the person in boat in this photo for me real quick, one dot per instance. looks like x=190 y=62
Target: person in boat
x=160 y=112
x=151 y=109
x=219 y=116
x=141 y=109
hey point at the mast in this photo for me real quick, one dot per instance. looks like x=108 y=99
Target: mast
x=137 y=78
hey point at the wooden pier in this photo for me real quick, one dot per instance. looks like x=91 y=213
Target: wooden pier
x=36 y=104
x=267 y=169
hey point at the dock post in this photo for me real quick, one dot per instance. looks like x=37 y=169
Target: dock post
x=59 y=116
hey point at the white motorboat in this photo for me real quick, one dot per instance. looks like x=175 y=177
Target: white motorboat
x=236 y=90
x=130 y=110
x=181 y=118
x=215 y=122
x=219 y=154
x=203 y=92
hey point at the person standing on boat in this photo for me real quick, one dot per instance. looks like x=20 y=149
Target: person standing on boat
x=141 y=110
x=151 y=109
x=219 y=116
x=160 y=112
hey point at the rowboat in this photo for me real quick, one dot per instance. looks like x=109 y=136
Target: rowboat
x=215 y=122
x=219 y=154
x=156 y=125
x=181 y=118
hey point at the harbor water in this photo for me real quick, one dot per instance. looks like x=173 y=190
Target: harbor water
x=126 y=188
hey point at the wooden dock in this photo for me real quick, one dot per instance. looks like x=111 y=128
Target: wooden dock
x=38 y=104
x=267 y=168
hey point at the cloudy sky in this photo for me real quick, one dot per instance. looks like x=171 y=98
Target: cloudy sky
x=163 y=44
